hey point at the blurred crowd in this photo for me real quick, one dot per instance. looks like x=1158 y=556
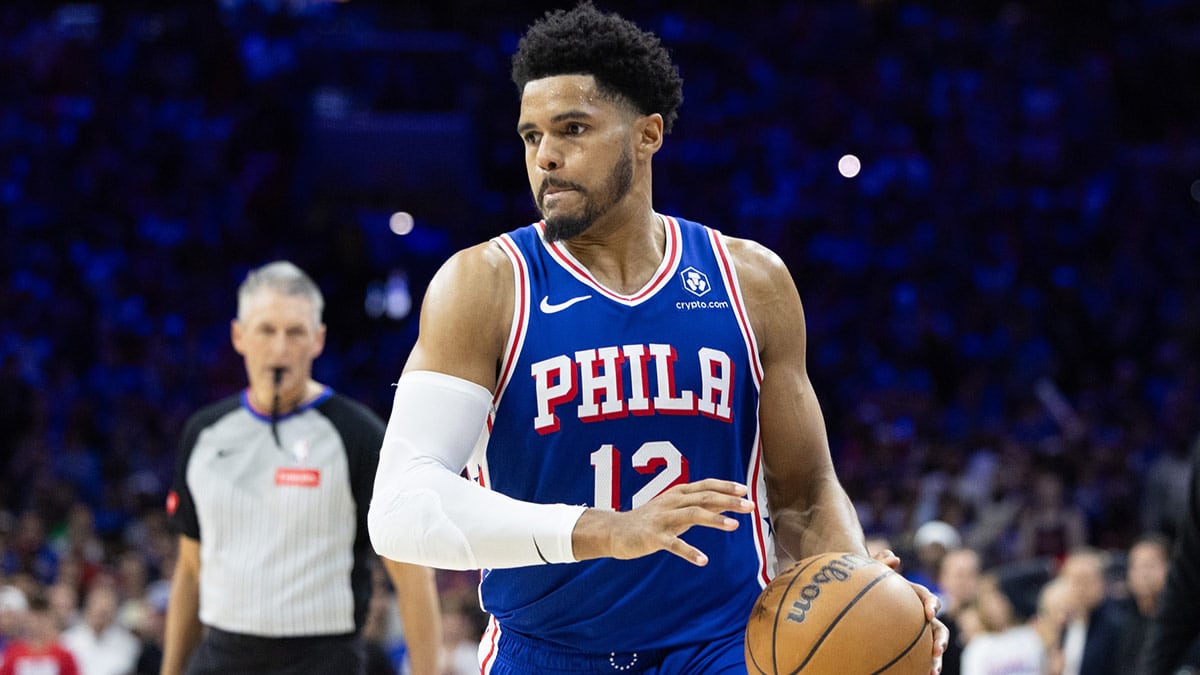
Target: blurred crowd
x=1003 y=324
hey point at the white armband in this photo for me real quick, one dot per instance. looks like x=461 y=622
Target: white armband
x=424 y=512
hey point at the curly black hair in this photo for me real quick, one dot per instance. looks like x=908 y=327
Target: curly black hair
x=627 y=62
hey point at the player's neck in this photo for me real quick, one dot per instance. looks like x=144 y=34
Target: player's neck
x=622 y=251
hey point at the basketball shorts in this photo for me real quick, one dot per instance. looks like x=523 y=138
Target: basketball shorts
x=503 y=652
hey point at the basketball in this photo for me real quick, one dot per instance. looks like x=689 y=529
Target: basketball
x=838 y=613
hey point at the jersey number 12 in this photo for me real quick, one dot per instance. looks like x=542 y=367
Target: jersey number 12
x=660 y=458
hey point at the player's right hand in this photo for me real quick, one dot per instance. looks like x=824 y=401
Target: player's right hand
x=658 y=524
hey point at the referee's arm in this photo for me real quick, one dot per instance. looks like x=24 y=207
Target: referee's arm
x=183 y=611
x=416 y=594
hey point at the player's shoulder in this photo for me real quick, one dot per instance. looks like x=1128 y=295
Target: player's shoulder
x=467 y=311
x=473 y=289
x=755 y=263
x=480 y=267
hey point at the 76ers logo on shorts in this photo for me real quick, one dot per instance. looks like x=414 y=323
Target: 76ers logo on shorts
x=695 y=281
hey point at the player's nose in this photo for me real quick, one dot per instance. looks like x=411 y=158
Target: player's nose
x=548 y=156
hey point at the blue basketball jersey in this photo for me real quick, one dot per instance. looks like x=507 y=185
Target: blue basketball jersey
x=607 y=400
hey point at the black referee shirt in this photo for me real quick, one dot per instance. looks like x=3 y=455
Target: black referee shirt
x=282 y=527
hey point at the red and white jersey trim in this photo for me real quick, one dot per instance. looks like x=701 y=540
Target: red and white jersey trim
x=478 y=467
x=729 y=276
x=764 y=544
x=666 y=269
x=488 y=646
x=520 y=319
x=764 y=539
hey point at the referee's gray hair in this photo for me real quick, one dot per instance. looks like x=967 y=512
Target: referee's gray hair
x=283 y=277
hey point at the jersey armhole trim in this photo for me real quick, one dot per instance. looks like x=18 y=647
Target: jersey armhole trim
x=729 y=277
x=520 y=317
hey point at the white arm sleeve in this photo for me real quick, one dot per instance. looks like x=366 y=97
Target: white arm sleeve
x=424 y=512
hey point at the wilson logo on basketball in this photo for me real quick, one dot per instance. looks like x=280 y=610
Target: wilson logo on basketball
x=838 y=613
x=836 y=570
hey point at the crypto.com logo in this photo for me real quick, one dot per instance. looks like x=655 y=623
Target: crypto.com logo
x=695 y=281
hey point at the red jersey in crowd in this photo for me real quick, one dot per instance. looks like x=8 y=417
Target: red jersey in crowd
x=23 y=658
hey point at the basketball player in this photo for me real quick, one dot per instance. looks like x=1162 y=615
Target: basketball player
x=270 y=501
x=638 y=378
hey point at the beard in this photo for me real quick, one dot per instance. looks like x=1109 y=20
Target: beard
x=570 y=225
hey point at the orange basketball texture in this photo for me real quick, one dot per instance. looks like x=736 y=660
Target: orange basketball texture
x=838 y=613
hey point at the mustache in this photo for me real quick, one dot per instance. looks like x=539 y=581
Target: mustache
x=555 y=183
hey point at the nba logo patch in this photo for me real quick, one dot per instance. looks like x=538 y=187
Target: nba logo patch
x=695 y=281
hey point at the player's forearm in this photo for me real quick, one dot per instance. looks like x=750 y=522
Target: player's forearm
x=423 y=512
x=438 y=519
x=825 y=521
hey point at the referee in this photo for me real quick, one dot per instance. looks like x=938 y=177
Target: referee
x=270 y=499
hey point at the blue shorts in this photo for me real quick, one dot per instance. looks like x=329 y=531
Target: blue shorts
x=504 y=652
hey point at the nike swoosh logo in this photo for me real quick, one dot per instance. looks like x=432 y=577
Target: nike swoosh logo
x=551 y=309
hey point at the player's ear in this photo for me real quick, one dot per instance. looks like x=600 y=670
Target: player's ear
x=650 y=135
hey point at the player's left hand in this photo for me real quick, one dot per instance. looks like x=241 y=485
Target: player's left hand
x=941 y=634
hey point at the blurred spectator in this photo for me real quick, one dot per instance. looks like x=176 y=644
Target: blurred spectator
x=1095 y=622
x=958 y=584
x=375 y=635
x=132 y=581
x=13 y=606
x=28 y=551
x=958 y=578
x=930 y=543
x=1007 y=646
x=1050 y=525
x=1172 y=637
x=970 y=626
x=1166 y=488
x=63 y=598
x=100 y=645
x=150 y=627
x=462 y=628
x=78 y=546
x=1145 y=578
x=39 y=650
x=1053 y=614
